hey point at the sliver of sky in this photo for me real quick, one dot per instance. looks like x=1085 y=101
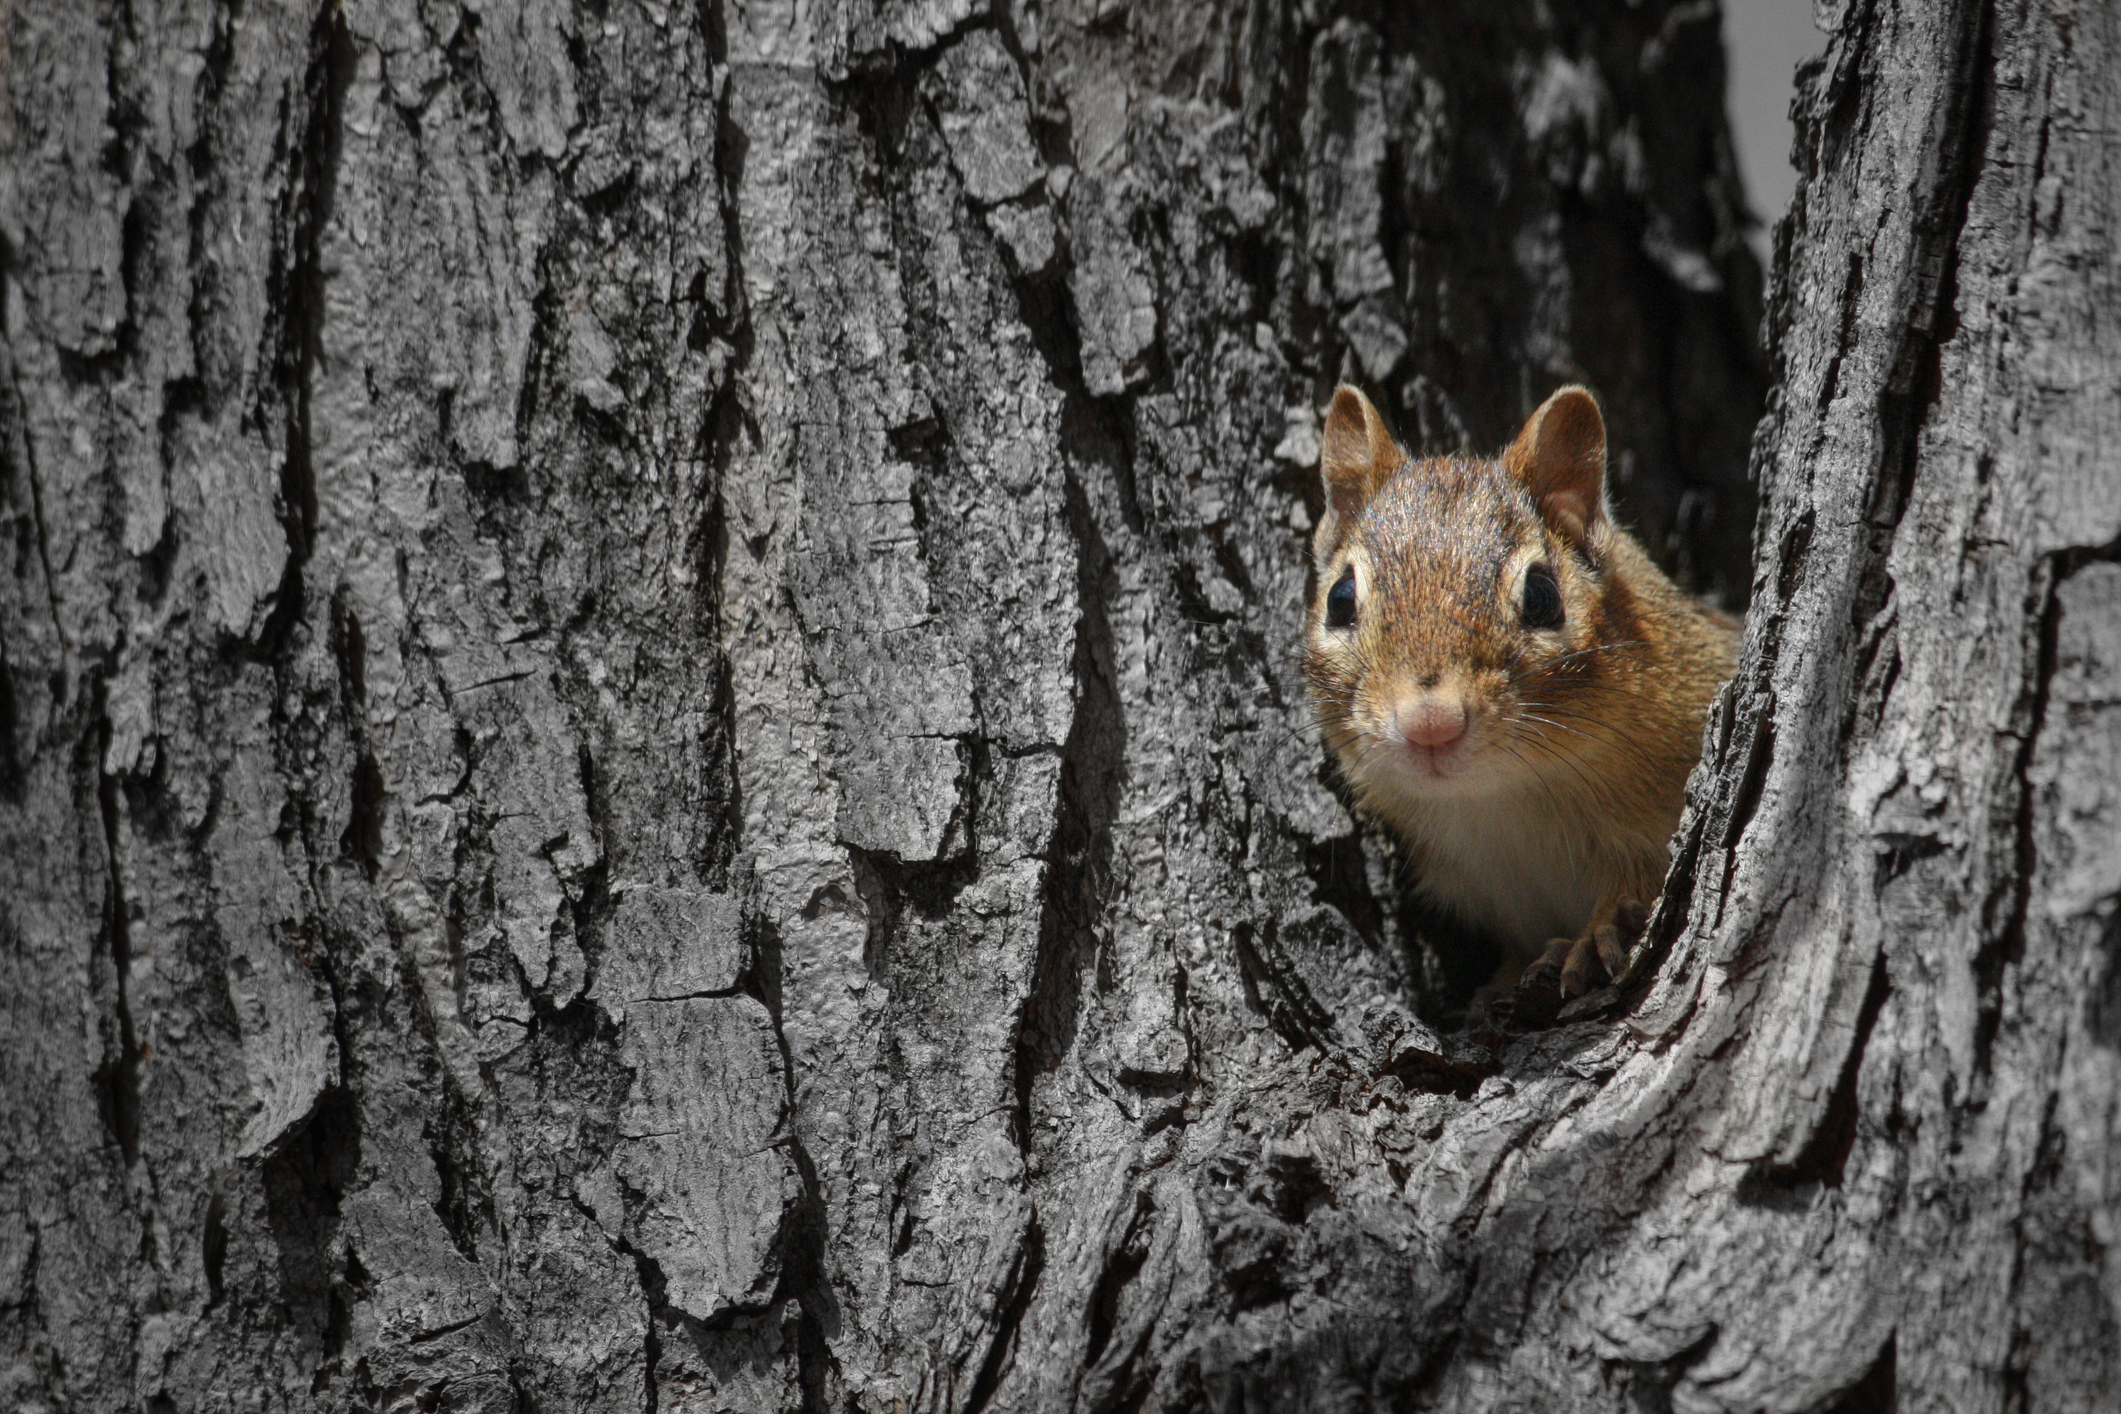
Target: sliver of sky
x=1764 y=41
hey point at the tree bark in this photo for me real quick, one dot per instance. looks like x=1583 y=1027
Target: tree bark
x=651 y=755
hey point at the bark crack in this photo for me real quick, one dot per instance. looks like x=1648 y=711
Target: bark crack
x=1915 y=378
x=2010 y=901
x=1024 y=1273
x=18 y=427
x=296 y=291
x=118 y=1079
x=1825 y=1155
x=1878 y=1392
x=1079 y=853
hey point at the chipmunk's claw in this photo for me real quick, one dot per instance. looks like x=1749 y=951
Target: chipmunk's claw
x=1600 y=946
x=1600 y=950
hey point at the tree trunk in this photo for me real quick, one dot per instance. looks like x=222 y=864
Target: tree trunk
x=651 y=756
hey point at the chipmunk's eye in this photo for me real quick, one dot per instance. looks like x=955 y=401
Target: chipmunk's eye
x=1542 y=598
x=1340 y=600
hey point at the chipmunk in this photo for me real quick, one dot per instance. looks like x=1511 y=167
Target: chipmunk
x=1506 y=680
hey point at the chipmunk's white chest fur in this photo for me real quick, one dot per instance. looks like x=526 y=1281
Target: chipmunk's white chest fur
x=1514 y=864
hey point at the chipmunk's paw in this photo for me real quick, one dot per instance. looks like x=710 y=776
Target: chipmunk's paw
x=1599 y=950
x=1569 y=966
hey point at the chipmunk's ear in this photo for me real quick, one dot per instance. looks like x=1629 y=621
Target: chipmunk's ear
x=1358 y=455
x=1560 y=457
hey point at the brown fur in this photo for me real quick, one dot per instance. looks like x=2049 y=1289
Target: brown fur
x=1565 y=788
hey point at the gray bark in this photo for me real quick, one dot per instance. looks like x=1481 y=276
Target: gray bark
x=650 y=754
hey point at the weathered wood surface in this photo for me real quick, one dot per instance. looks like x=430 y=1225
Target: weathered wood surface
x=650 y=755
x=1893 y=1001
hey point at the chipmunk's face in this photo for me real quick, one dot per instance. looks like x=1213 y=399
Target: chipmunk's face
x=1455 y=601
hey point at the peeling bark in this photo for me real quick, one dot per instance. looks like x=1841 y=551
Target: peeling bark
x=651 y=755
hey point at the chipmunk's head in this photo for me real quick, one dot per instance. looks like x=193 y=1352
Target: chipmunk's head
x=1454 y=636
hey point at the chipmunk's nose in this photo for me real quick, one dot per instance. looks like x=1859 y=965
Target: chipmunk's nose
x=1432 y=723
